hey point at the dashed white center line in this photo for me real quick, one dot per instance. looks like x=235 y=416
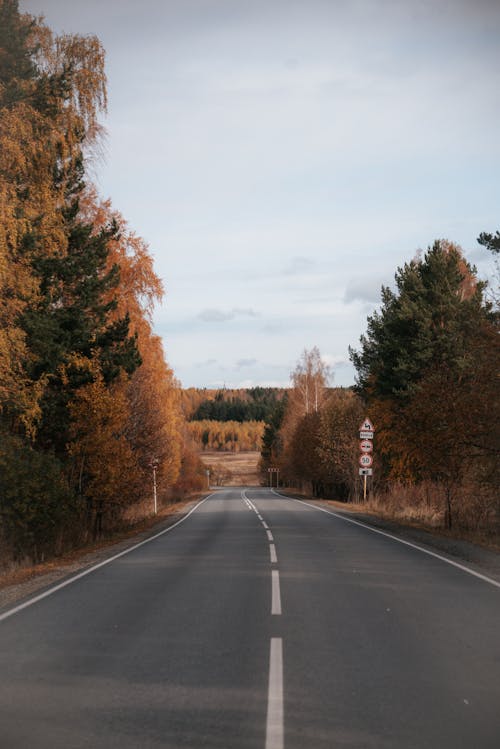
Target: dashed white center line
x=275 y=593
x=275 y=713
x=275 y=722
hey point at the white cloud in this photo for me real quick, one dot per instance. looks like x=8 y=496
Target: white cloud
x=365 y=289
x=218 y=315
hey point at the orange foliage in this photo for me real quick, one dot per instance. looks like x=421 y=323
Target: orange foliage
x=100 y=448
x=231 y=436
x=154 y=421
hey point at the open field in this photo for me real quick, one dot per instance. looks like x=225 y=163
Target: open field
x=232 y=469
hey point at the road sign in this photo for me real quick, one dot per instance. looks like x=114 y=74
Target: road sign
x=366 y=426
x=365 y=461
x=366 y=432
x=366 y=446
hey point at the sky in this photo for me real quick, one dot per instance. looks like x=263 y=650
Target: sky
x=283 y=158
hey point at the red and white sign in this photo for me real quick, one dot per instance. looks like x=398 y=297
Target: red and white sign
x=365 y=461
x=366 y=446
x=366 y=426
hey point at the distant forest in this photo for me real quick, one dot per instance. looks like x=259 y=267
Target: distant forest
x=230 y=420
x=242 y=405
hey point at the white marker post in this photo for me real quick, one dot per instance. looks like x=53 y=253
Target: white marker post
x=154 y=466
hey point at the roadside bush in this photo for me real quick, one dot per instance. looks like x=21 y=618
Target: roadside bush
x=36 y=503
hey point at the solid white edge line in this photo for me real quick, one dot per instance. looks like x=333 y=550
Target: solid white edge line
x=272 y=552
x=88 y=571
x=275 y=718
x=275 y=593
x=459 y=566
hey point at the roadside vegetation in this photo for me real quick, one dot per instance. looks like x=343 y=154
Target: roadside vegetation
x=87 y=401
x=427 y=376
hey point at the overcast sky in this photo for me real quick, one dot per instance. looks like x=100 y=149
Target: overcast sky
x=282 y=158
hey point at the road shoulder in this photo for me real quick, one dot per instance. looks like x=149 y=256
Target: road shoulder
x=478 y=558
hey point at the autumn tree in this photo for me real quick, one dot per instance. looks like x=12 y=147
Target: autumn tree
x=309 y=380
x=85 y=393
x=309 y=387
x=105 y=465
x=155 y=420
x=338 y=443
x=304 y=465
x=51 y=91
x=418 y=369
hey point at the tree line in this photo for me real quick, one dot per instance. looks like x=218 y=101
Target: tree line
x=87 y=400
x=427 y=375
x=244 y=404
x=229 y=420
x=226 y=436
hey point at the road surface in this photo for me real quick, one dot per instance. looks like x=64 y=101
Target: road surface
x=257 y=622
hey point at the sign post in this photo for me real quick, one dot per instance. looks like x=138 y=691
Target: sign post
x=366 y=432
x=277 y=472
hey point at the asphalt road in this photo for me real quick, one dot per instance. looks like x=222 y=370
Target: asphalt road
x=257 y=623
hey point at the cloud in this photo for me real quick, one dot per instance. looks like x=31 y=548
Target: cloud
x=365 y=289
x=218 y=315
x=206 y=363
x=298 y=265
x=244 y=363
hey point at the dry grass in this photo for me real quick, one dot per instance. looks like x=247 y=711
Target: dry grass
x=422 y=507
x=234 y=469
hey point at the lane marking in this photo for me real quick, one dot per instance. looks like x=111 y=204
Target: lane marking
x=88 y=571
x=248 y=501
x=459 y=566
x=245 y=499
x=270 y=536
x=276 y=596
x=265 y=525
x=272 y=551
x=275 y=723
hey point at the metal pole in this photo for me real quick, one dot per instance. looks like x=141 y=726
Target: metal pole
x=364 y=488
